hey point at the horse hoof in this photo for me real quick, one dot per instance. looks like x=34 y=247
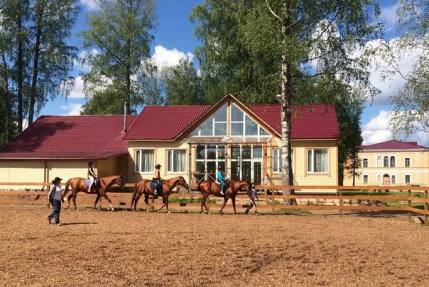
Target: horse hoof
x=113 y=209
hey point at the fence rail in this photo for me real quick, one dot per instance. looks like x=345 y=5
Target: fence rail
x=338 y=199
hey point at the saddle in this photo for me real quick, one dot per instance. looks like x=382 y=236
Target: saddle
x=94 y=187
x=156 y=185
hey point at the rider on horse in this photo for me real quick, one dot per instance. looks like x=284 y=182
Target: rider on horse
x=222 y=180
x=157 y=179
x=91 y=175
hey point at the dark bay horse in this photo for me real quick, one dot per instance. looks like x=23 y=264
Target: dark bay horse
x=78 y=184
x=143 y=187
x=209 y=187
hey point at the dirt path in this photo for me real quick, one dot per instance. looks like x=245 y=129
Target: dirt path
x=98 y=248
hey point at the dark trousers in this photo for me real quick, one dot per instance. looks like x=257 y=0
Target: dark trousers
x=56 y=206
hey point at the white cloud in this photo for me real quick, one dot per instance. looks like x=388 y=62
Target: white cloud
x=77 y=92
x=89 y=4
x=377 y=130
x=390 y=84
x=164 y=58
x=388 y=16
x=72 y=109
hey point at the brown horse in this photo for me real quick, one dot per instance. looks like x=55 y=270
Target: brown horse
x=143 y=187
x=209 y=187
x=78 y=184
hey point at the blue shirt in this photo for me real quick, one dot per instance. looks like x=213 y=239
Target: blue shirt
x=220 y=176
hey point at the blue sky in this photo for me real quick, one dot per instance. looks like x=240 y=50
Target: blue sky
x=174 y=39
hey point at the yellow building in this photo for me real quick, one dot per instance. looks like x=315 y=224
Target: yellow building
x=190 y=141
x=392 y=163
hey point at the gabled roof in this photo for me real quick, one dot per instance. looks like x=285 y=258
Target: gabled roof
x=71 y=137
x=394 y=145
x=157 y=123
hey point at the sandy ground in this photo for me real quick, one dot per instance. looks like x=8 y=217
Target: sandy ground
x=123 y=248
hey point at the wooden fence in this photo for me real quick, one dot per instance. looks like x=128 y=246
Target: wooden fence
x=274 y=198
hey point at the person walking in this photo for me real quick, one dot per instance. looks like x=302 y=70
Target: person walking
x=55 y=197
x=253 y=194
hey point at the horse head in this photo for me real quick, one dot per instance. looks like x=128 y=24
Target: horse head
x=182 y=182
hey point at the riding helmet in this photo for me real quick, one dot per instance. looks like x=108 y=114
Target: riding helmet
x=157 y=165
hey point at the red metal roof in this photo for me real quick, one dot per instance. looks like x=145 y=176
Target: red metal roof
x=164 y=122
x=167 y=122
x=76 y=137
x=316 y=121
x=393 y=145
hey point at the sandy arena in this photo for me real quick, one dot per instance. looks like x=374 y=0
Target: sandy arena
x=123 y=248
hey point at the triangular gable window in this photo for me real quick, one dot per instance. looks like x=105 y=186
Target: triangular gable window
x=240 y=124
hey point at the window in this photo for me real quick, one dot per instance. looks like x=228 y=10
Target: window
x=209 y=158
x=392 y=161
x=176 y=160
x=386 y=161
x=214 y=125
x=277 y=160
x=365 y=162
x=317 y=160
x=407 y=162
x=145 y=160
x=379 y=161
x=393 y=179
x=407 y=179
x=365 y=178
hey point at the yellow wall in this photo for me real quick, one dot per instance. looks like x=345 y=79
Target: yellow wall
x=301 y=176
x=418 y=170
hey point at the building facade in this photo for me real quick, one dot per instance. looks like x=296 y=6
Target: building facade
x=392 y=163
x=189 y=141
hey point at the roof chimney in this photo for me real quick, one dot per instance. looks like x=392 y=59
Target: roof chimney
x=125 y=117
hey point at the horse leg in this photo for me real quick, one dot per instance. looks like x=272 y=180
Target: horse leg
x=136 y=199
x=203 y=203
x=96 y=201
x=233 y=204
x=68 y=198
x=163 y=201
x=225 y=200
x=74 y=195
x=104 y=194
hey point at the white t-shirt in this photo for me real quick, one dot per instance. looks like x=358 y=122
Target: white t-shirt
x=57 y=192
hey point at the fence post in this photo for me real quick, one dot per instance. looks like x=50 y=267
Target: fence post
x=409 y=206
x=340 y=191
x=426 y=207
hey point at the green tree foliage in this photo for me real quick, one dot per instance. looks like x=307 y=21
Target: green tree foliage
x=303 y=50
x=182 y=85
x=35 y=57
x=120 y=31
x=411 y=105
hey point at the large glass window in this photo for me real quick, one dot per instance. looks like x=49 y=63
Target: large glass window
x=317 y=160
x=277 y=160
x=215 y=125
x=209 y=158
x=176 y=160
x=145 y=160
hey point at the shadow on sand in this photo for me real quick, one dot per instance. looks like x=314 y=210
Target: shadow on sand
x=77 y=223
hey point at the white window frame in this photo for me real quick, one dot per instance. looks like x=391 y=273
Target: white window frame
x=277 y=156
x=365 y=179
x=310 y=167
x=170 y=163
x=139 y=161
x=407 y=176
x=409 y=162
x=392 y=161
x=365 y=162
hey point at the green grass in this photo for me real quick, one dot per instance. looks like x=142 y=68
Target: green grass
x=286 y=211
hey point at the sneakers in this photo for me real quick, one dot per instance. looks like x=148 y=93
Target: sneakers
x=59 y=224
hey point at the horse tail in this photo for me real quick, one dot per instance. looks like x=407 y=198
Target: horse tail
x=66 y=189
